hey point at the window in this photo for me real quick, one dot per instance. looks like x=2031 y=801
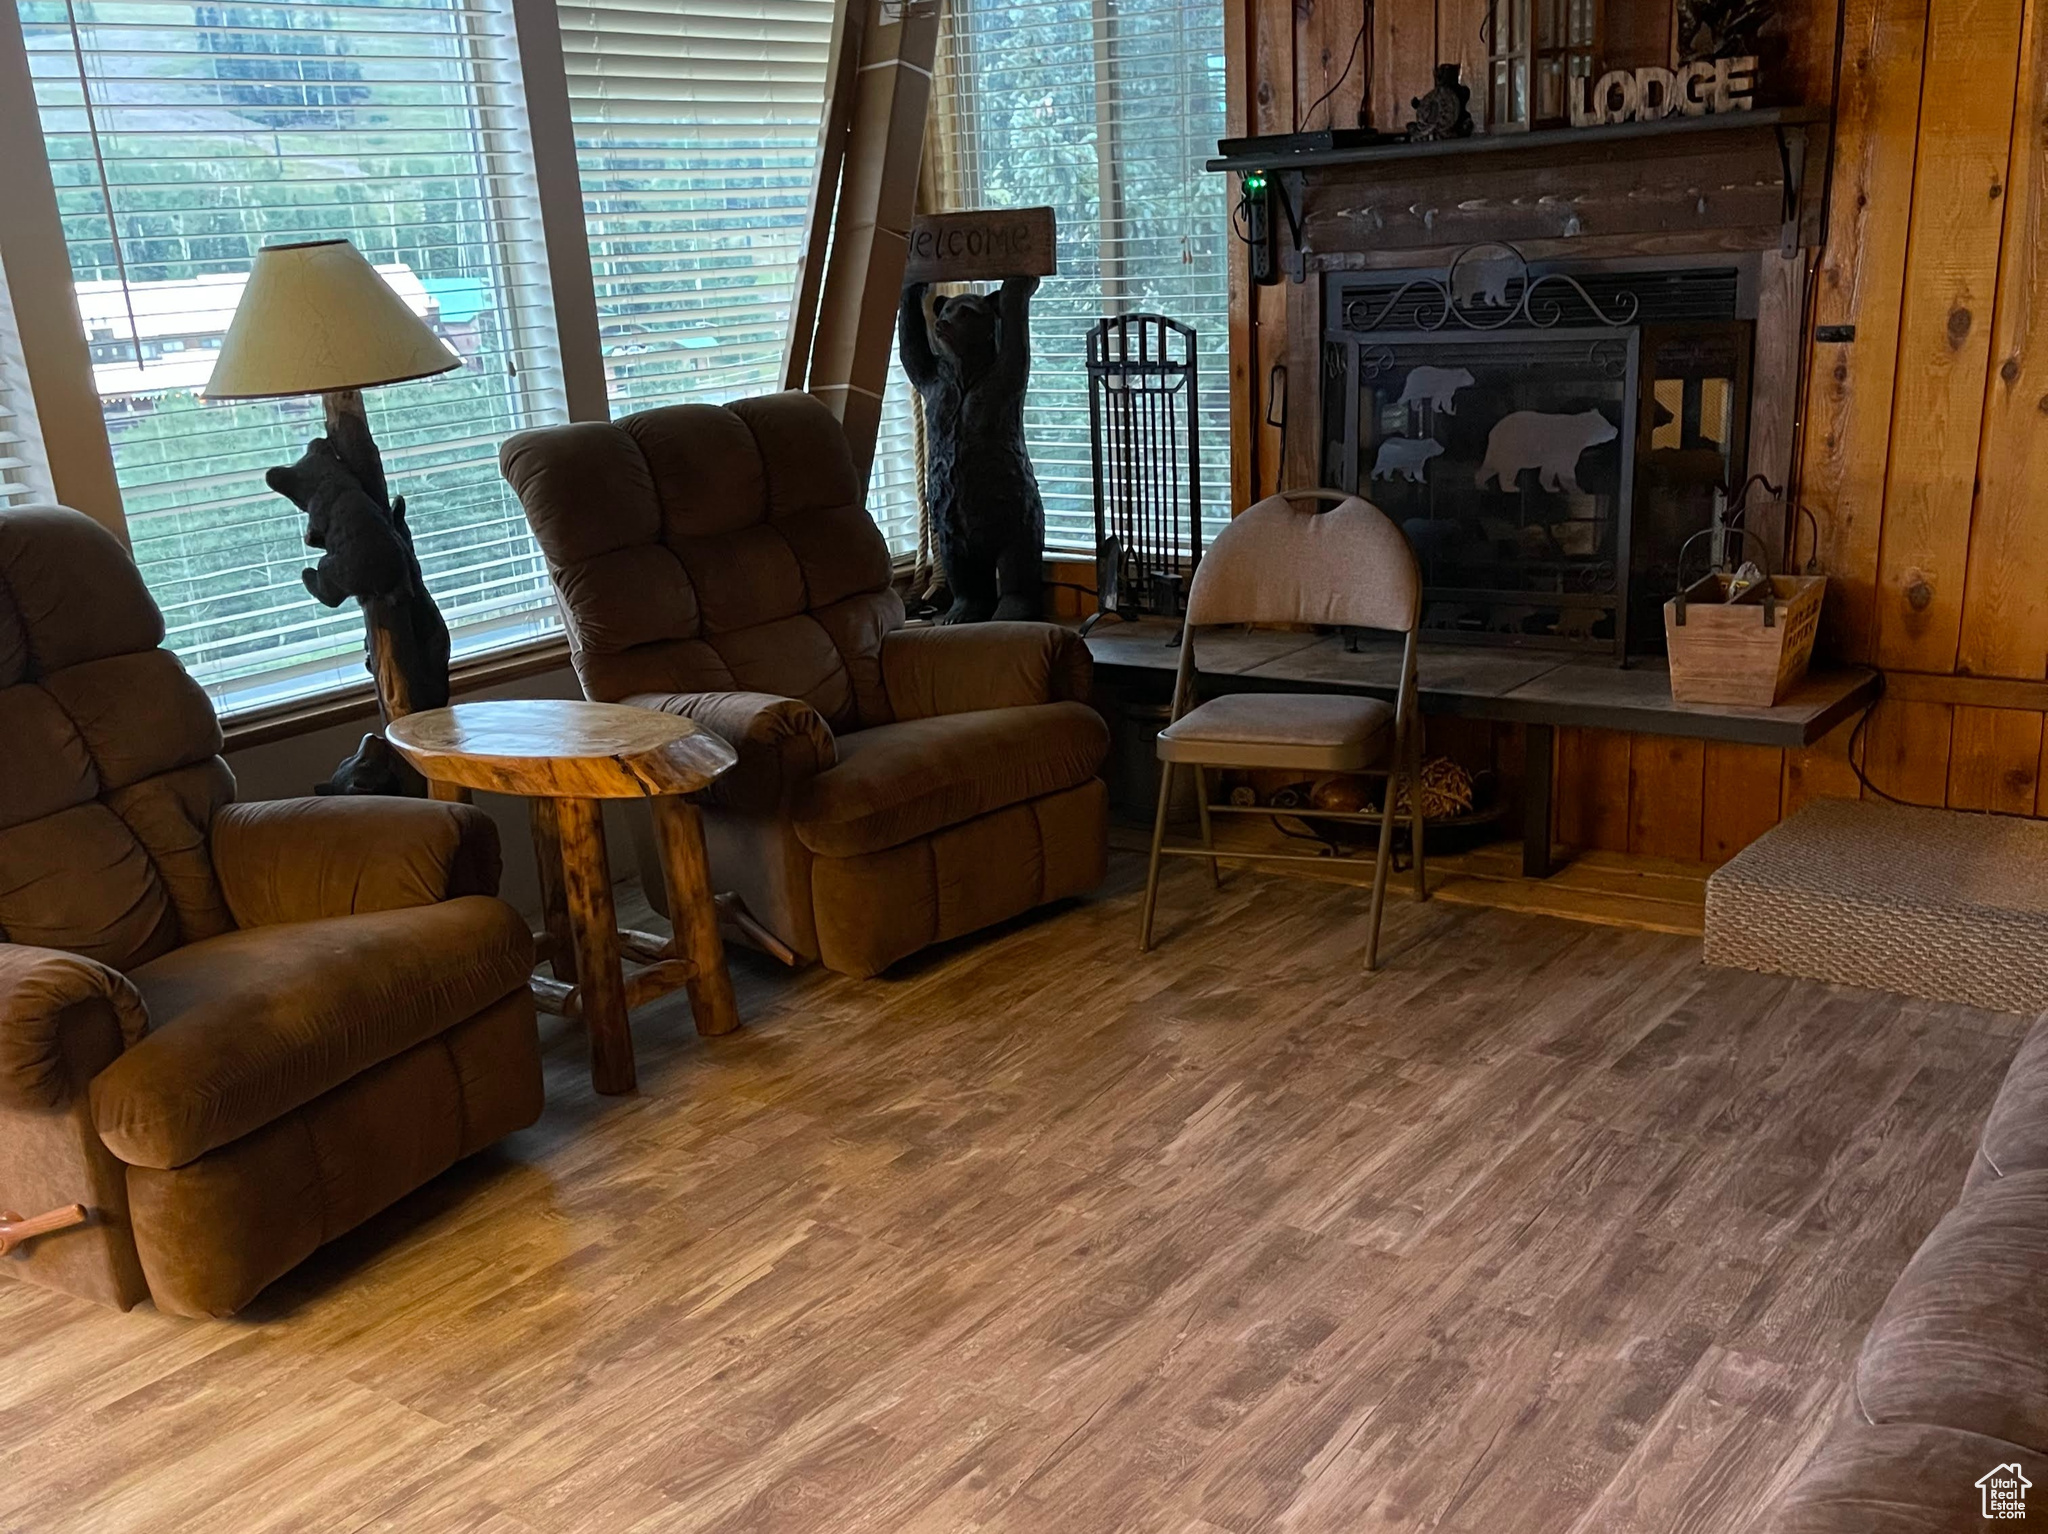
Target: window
x=697 y=138
x=23 y=475
x=182 y=137
x=1105 y=110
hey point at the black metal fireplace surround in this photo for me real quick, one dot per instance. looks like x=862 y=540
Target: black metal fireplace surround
x=1548 y=435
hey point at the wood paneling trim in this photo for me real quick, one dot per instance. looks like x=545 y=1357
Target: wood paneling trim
x=1994 y=760
x=2005 y=602
x=1271 y=111
x=1239 y=49
x=1330 y=60
x=1972 y=691
x=1821 y=771
x=1862 y=284
x=1965 y=138
x=1743 y=790
x=1592 y=805
x=1666 y=796
x=1906 y=750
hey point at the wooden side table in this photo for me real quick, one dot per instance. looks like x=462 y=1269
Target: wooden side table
x=565 y=757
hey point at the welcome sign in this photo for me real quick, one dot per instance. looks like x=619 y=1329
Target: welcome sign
x=982 y=245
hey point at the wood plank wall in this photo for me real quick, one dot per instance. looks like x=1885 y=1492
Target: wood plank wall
x=1925 y=440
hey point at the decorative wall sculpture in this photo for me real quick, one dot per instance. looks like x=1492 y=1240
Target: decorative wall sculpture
x=1549 y=444
x=1435 y=387
x=1405 y=457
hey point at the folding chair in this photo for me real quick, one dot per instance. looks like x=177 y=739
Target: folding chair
x=1280 y=562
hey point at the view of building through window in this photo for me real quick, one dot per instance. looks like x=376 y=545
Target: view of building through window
x=182 y=138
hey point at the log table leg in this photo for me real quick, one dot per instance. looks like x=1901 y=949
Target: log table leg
x=594 y=930
x=547 y=858
x=693 y=909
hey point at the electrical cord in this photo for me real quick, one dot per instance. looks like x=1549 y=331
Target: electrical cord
x=1857 y=751
x=1356 y=44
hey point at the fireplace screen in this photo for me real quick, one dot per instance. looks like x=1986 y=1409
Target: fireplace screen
x=1509 y=460
x=1546 y=444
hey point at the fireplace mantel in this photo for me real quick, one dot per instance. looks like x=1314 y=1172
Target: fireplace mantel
x=1736 y=181
x=1749 y=187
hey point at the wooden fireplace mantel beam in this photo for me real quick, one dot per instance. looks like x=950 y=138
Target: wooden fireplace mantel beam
x=1755 y=183
x=1747 y=187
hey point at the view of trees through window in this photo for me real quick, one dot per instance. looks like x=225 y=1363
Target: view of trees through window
x=1106 y=113
x=182 y=138
x=697 y=140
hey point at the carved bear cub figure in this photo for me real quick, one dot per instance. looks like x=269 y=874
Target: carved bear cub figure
x=970 y=365
x=364 y=553
x=367 y=553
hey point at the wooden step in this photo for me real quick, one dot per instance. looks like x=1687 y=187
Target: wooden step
x=1934 y=903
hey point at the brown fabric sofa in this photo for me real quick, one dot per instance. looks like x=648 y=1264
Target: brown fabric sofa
x=895 y=786
x=1952 y=1382
x=231 y=1031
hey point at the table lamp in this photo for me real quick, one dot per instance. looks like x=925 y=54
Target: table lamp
x=316 y=318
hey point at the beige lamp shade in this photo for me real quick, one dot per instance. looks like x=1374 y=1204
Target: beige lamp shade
x=316 y=317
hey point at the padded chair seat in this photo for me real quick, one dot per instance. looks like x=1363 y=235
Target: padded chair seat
x=897 y=782
x=247 y=1026
x=1311 y=731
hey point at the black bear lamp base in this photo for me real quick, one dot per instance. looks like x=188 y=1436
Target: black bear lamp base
x=366 y=552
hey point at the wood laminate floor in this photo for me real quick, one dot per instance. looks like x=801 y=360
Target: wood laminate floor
x=1544 y=1228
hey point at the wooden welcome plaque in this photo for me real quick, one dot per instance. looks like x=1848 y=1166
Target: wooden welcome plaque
x=982 y=245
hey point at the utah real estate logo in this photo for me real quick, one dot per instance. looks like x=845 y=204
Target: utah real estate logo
x=2005 y=1491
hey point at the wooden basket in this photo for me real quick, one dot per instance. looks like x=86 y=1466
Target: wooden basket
x=1751 y=650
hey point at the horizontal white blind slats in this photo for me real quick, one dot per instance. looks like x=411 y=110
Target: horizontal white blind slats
x=697 y=132
x=184 y=136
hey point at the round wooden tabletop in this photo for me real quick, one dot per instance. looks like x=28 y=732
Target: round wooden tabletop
x=560 y=748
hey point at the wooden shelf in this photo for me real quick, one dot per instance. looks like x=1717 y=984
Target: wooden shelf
x=1541 y=144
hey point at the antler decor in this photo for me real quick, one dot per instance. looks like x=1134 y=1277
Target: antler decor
x=14 y=1229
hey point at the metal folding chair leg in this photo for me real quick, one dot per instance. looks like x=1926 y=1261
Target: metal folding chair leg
x=1381 y=864
x=1152 y=869
x=1415 y=807
x=1208 y=830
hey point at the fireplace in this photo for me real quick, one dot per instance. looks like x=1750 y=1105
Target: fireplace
x=1549 y=435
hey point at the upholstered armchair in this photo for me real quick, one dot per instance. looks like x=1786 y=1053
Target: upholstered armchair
x=229 y=1032
x=895 y=786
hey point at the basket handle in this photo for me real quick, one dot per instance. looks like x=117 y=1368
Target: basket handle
x=1770 y=591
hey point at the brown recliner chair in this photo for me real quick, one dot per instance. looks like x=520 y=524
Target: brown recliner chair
x=230 y=1031
x=895 y=786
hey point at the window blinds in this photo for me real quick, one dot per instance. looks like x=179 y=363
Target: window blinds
x=24 y=475
x=1105 y=110
x=697 y=136
x=182 y=137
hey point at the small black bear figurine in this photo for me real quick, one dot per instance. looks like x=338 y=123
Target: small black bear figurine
x=1444 y=112
x=375 y=768
x=971 y=365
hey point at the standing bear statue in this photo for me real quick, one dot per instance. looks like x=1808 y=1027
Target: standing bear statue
x=970 y=363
